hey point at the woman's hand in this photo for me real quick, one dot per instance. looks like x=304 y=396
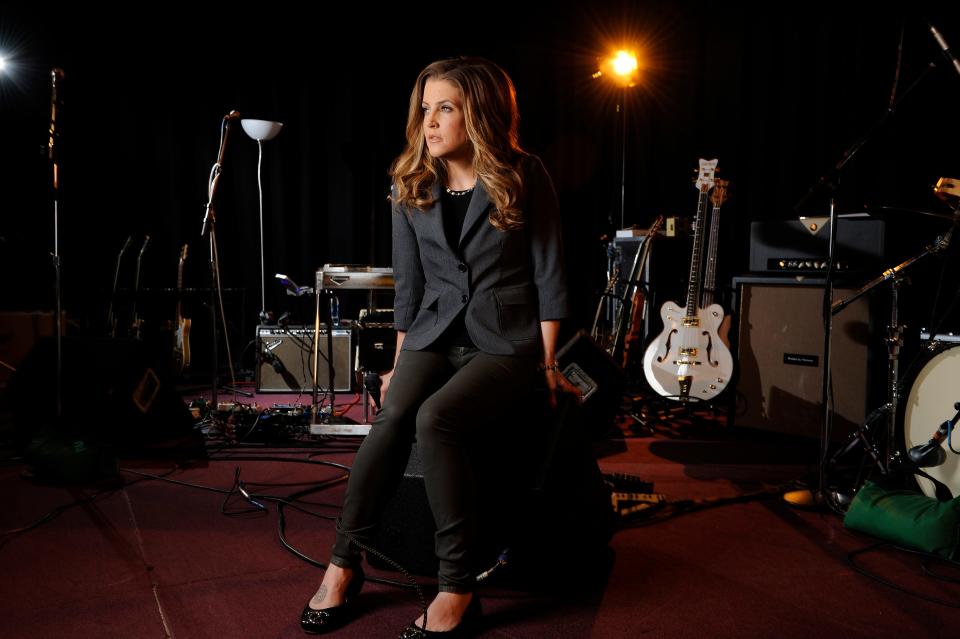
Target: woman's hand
x=384 y=384
x=557 y=381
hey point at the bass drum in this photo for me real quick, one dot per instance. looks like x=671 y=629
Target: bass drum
x=930 y=403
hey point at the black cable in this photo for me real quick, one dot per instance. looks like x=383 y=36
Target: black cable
x=288 y=501
x=863 y=571
x=243 y=352
x=58 y=510
x=175 y=481
x=282 y=503
x=54 y=513
x=285 y=459
x=239 y=487
x=253 y=425
x=252 y=448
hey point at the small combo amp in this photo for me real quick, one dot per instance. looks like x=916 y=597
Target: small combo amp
x=285 y=359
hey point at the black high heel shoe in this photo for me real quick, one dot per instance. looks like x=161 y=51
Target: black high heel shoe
x=317 y=622
x=471 y=616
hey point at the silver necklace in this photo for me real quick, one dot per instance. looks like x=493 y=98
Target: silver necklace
x=459 y=193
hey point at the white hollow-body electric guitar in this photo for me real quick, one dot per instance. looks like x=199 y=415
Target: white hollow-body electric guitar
x=688 y=360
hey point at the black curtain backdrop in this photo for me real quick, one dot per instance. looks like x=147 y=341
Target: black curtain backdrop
x=776 y=93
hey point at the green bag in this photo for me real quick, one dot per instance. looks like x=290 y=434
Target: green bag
x=907 y=518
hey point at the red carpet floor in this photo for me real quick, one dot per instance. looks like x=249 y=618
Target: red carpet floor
x=156 y=559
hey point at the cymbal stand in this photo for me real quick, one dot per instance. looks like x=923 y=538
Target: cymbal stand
x=887 y=459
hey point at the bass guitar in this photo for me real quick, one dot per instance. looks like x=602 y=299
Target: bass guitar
x=717 y=197
x=688 y=360
x=632 y=340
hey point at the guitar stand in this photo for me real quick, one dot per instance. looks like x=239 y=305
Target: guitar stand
x=668 y=408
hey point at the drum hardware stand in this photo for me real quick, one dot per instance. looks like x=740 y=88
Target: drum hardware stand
x=889 y=459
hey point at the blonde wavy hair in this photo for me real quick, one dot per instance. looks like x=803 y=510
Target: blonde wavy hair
x=492 y=121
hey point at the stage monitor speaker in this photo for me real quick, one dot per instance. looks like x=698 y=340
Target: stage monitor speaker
x=19 y=331
x=546 y=481
x=780 y=345
x=285 y=359
x=115 y=394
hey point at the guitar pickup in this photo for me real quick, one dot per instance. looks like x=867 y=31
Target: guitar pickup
x=690 y=321
x=692 y=352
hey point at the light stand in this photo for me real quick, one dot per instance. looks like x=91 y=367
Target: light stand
x=261 y=130
x=53 y=156
x=623 y=155
x=622 y=68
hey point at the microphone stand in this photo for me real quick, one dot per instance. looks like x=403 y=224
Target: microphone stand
x=826 y=424
x=216 y=296
x=829 y=181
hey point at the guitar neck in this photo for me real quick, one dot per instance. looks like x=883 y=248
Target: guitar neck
x=136 y=290
x=183 y=258
x=710 y=274
x=693 y=287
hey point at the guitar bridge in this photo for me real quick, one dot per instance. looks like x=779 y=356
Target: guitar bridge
x=686 y=362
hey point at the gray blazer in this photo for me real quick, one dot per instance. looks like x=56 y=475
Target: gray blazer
x=508 y=281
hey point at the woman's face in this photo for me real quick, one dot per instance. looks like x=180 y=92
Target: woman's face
x=444 y=126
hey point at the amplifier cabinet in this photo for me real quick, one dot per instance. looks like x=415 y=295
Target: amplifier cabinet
x=780 y=357
x=285 y=359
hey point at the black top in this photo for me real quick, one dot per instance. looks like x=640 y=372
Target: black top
x=455 y=205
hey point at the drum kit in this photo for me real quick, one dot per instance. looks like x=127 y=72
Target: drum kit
x=932 y=405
